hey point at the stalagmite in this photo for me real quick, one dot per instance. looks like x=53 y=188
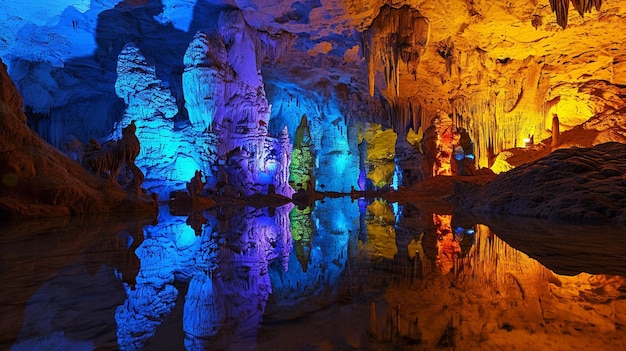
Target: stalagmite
x=301 y=170
x=204 y=79
x=555 y=131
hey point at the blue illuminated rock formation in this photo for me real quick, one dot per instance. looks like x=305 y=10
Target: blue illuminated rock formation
x=227 y=137
x=204 y=78
x=169 y=156
x=192 y=81
x=333 y=137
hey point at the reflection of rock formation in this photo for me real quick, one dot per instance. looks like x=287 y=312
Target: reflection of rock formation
x=409 y=228
x=500 y=298
x=448 y=247
x=171 y=251
x=203 y=312
x=334 y=220
x=224 y=306
x=64 y=279
x=381 y=235
x=302 y=229
x=142 y=312
x=441 y=246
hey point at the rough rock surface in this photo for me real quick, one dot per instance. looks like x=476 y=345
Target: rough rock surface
x=36 y=180
x=576 y=185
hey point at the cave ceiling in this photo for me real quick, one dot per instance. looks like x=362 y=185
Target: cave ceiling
x=472 y=46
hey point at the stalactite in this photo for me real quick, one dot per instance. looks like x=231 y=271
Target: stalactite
x=272 y=46
x=394 y=35
x=405 y=114
x=583 y=6
x=561 y=8
x=445 y=49
x=478 y=117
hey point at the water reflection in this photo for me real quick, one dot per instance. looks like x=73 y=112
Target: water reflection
x=362 y=274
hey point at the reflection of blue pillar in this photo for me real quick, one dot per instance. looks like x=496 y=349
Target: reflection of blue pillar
x=397 y=176
x=362 y=219
x=170 y=250
x=202 y=314
x=335 y=219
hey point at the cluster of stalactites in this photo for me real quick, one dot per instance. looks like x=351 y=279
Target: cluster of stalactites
x=407 y=114
x=395 y=34
x=272 y=46
x=561 y=8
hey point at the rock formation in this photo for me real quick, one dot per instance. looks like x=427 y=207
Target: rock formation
x=575 y=185
x=301 y=170
x=37 y=180
x=108 y=162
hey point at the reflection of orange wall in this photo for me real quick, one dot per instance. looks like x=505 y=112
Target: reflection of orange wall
x=499 y=298
x=448 y=247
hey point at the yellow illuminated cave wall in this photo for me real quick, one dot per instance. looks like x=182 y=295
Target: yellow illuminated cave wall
x=381 y=151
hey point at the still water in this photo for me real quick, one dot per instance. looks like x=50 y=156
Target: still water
x=343 y=275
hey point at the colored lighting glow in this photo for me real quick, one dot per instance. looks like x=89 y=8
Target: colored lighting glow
x=185 y=168
x=381 y=146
